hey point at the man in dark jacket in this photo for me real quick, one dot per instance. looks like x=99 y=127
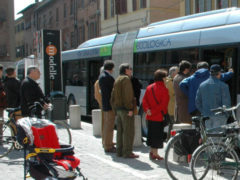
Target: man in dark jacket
x=30 y=92
x=12 y=88
x=106 y=82
x=190 y=85
x=137 y=89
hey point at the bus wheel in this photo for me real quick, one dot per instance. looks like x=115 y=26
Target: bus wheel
x=71 y=101
x=143 y=122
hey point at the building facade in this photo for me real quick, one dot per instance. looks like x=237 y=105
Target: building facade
x=197 y=6
x=7 y=36
x=129 y=15
x=78 y=21
x=19 y=38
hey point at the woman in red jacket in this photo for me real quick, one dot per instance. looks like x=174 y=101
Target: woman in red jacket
x=155 y=104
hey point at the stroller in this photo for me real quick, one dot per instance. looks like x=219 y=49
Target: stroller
x=46 y=158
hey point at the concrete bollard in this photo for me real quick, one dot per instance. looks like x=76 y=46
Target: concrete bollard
x=138 y=131
x=97 y=122
x=176 y=157
x=75 y=116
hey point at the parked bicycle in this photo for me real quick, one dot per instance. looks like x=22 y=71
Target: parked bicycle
x=182 y=144
x=8 y=139
x=219 y=159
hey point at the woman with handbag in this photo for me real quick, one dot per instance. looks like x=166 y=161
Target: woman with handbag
x=155 y=105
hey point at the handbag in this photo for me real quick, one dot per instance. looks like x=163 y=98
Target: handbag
x=166 y=117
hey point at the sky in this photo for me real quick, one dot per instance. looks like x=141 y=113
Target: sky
x=20 y=5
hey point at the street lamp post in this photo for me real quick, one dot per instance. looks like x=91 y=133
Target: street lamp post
x=117 y=6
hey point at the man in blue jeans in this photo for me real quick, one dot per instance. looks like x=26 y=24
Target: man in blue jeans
x=211 y=94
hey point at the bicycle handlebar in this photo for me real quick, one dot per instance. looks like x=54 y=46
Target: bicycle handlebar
x=224 y=109
x=33 y=108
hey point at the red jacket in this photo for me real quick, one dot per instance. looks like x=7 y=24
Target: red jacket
x=156 y=107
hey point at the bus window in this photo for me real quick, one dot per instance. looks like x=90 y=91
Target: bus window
x=145 y=64
x=173 y=57
x=75 y=73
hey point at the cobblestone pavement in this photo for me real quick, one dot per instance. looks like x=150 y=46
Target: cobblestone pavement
x=95 y=163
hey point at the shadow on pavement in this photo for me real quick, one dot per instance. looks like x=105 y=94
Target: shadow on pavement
x=134 y=163
x=12 y=157
x=143 y=148
x=12 y=162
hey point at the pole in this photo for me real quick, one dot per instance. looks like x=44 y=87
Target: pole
x=117 y=24
x=117 y=6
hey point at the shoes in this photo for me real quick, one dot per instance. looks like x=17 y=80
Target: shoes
x=132 y=156
x=111 y=150
x=155 y=157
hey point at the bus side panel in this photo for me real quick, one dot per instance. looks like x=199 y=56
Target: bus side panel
x=79 y=93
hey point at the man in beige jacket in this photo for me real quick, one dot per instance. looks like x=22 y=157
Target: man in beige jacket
x=171 y=105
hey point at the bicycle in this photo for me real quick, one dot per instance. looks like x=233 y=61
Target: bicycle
x=176 y=153
x=182 y=144
x=62 y=128
x=8 y=139
x=219 y=159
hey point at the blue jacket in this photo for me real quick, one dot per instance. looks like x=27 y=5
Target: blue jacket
x=211 y=94
x=190 y=85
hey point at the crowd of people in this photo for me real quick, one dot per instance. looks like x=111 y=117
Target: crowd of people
x=23 y=95
x=178 y=94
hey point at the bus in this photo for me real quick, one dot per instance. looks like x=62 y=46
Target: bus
x=209 y=36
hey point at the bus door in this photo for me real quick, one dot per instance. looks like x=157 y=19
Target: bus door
x=93 y=74
x=226 y=57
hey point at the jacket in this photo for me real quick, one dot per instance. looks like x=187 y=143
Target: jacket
x=97 y=93
x=157 y=106
x=106 y=82
x=12 y=89
x=122 y=97
x=181 y=113
x=3 y=98
x=30 y=92
x=189 y=86
x=137 y=89
x=171 y=104
x=212 y=93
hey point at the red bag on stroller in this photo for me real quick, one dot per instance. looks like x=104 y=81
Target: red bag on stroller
x=46 y=137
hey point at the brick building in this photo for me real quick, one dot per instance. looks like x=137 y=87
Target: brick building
x=78 y=21
x=7 y=39
x=19 y=38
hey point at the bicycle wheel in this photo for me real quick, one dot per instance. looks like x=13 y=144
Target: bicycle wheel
x=63 y=132
x=214 y=161
x=175 y=163
x=7 y=139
